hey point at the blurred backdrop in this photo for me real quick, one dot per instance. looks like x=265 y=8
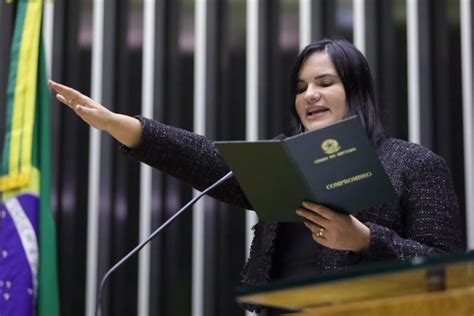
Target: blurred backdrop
x=220 y=68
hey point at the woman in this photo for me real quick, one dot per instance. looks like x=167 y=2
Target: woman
x=331 y=80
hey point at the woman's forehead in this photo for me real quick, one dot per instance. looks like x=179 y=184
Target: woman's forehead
x=317 y=64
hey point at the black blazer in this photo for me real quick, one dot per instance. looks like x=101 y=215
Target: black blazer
x=423 y=221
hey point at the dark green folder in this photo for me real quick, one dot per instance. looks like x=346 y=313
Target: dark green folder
x=335 y=166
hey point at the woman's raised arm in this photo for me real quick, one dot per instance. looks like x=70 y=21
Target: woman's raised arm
x=125 y=129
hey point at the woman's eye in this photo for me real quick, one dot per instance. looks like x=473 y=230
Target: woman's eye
x=300 y=89
x=326 y=83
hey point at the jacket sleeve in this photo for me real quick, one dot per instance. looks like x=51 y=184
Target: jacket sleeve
x=187 y=156
x=430 y=215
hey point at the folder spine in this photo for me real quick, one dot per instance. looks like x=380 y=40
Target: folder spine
x=301 y=175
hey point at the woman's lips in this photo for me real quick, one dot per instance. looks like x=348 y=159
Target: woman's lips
x=316 y=112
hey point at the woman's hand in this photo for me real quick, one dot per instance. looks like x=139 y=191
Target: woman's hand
x=87 y=109
x=126 y=129
x=334 y=230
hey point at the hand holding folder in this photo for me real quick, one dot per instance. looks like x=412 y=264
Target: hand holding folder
x=335 y=166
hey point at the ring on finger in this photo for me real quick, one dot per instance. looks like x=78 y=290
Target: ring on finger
x=320 y=233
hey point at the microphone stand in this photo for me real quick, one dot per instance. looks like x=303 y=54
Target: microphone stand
x=98 y=309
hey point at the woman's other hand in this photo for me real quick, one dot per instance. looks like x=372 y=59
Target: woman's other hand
x=87 y=109
x=334 y=230
x=126 y=129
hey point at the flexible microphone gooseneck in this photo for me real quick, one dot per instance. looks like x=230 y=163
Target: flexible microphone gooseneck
x=98 y=306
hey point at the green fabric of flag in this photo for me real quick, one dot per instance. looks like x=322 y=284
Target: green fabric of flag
x=26 y=164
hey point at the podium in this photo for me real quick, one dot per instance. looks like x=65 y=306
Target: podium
x=422 y=286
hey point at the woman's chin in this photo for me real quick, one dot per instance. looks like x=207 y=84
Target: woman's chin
x=312 y=126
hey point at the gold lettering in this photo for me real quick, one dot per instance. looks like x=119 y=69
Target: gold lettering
x=346 y=151
x=332 y=156
x=342 y=182
x=320 y=160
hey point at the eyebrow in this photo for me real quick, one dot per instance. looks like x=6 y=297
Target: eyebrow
x=321 y=76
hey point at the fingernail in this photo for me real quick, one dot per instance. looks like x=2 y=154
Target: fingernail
x=298 y=212
x=305 y=203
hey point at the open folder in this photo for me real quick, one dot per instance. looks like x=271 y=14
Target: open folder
x=335 y=166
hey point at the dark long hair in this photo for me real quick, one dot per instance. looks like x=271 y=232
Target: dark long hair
x=353 y=69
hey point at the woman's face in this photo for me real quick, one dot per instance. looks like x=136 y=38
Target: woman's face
x=320 y=95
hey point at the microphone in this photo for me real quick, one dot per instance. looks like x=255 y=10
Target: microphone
x=98 y=308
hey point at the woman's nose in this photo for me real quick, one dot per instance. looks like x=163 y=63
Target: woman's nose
x=312 y=93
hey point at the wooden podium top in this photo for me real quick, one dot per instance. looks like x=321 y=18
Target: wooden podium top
x=441 y=285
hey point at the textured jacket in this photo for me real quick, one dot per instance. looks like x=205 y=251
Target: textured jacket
x=422 y=221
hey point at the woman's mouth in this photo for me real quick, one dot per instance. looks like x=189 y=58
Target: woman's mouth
x=316 y=112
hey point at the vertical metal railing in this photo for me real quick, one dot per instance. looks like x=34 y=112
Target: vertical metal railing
x=468 y=114
x=200 y=128
x=94 y=160
x=413 y=72
x=359 y=25
x=145 y=171
x=252 y=117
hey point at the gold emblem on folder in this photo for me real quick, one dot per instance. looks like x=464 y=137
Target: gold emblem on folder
x=330 y=146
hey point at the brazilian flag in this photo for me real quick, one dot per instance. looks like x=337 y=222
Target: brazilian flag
x=28 y=275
